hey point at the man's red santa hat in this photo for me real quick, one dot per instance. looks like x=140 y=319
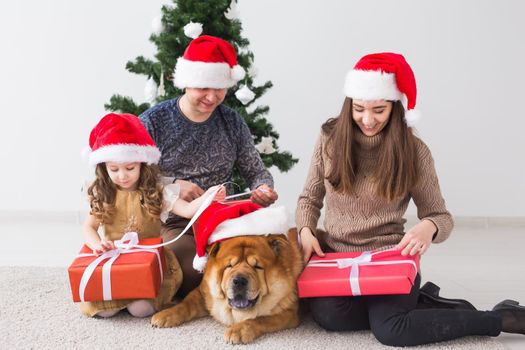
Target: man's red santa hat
x=208 y=62
x=222 y=221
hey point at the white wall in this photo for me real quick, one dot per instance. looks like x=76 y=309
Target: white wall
x=61 y=60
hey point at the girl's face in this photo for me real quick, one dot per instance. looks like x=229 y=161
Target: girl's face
x=124 y=175
x=371 y=116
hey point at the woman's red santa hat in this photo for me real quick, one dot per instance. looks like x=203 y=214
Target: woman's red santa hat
x=121 y=138
x=384 y=76
x=222 y=221
x=208 y=62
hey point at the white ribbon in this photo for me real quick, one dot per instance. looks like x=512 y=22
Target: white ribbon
x=364 y=259
x=126 y=245
x=129 y=244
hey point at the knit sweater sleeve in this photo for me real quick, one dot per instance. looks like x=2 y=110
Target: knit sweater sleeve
x=310 y=201
x=427 y=196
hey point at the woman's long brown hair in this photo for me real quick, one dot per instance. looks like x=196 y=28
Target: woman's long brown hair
x=102 y=192
x=396 y=168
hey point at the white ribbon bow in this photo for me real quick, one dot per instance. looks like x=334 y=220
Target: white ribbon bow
x=364 y=259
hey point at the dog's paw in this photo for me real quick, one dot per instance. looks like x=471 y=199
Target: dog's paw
x=166 y=318
x=240 y=333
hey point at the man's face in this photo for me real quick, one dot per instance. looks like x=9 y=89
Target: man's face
x=204 y=101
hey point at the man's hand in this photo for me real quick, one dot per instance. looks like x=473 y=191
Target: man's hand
x=188 y=190
x=264 y=195
x=310 y=244
x=417 y=239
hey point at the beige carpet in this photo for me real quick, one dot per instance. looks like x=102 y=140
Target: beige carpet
x=36 y=312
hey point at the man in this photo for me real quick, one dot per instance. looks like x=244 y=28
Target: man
x=201 y=140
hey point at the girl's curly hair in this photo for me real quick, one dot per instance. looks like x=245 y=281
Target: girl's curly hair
x=102 y=193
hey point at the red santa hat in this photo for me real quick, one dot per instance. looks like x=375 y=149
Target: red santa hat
x=208 y=62
x=384 y=76
x=121 y=138
x=222 y=221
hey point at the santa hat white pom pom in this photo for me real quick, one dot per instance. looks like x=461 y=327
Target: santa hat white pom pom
x=238 y=73
x=193 y=29
x=199 y=262
x=411 y=117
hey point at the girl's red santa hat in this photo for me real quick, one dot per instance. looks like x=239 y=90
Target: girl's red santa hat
x=121 y=138
x=208 y=62
x=222 y=221
x=384 y=76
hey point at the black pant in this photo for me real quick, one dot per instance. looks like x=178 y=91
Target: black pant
x=395 y=321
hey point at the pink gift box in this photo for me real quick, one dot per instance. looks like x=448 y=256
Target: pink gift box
x=358 y=273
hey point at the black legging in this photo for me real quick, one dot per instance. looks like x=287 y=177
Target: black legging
x=395 y=321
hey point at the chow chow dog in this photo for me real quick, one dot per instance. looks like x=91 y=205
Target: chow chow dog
x=249 y=284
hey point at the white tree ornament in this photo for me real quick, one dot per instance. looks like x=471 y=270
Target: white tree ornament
x=233 y=12
x=150 y=90
x=266 y=145
x=244 y=95
x=193 y=30
x=162 y=90
x=157 y=25
x=253 y=71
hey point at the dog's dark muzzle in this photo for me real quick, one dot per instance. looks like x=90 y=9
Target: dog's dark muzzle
x=240 y=300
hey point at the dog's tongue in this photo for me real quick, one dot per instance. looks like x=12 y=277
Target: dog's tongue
x=240 y=302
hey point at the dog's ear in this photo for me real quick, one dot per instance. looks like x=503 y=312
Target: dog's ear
x=277 y=243
x=214 y=249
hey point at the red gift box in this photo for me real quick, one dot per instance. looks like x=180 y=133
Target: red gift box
x=358 y=273
x=136 y=275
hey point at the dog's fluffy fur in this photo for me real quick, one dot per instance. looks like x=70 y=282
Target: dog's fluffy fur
x=249 y=284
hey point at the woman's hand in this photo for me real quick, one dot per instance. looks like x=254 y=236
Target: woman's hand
x=418 y=238
x=103 y=246
x=310 y=244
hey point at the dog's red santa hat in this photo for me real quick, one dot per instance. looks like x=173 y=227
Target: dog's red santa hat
x=222 y=221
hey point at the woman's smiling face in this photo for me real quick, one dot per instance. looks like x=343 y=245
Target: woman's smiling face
x=371 y=116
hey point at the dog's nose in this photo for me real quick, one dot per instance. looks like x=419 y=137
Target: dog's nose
x=240 y=281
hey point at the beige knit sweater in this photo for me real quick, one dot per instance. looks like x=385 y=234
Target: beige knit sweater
x=364 y=220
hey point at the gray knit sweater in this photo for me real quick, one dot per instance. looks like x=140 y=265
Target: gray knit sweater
x=364 y=220
x=204 y=153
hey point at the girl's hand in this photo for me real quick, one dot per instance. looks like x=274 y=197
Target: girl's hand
x=417 y=239
x=103 y=246
x=188 y=190
x=310 y=244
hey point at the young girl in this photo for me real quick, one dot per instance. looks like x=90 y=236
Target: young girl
x=367 y=164
x=127 y=196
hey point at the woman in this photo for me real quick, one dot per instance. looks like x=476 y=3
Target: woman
x=367 y=164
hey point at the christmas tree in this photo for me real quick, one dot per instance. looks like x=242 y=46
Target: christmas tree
x=180 y=23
